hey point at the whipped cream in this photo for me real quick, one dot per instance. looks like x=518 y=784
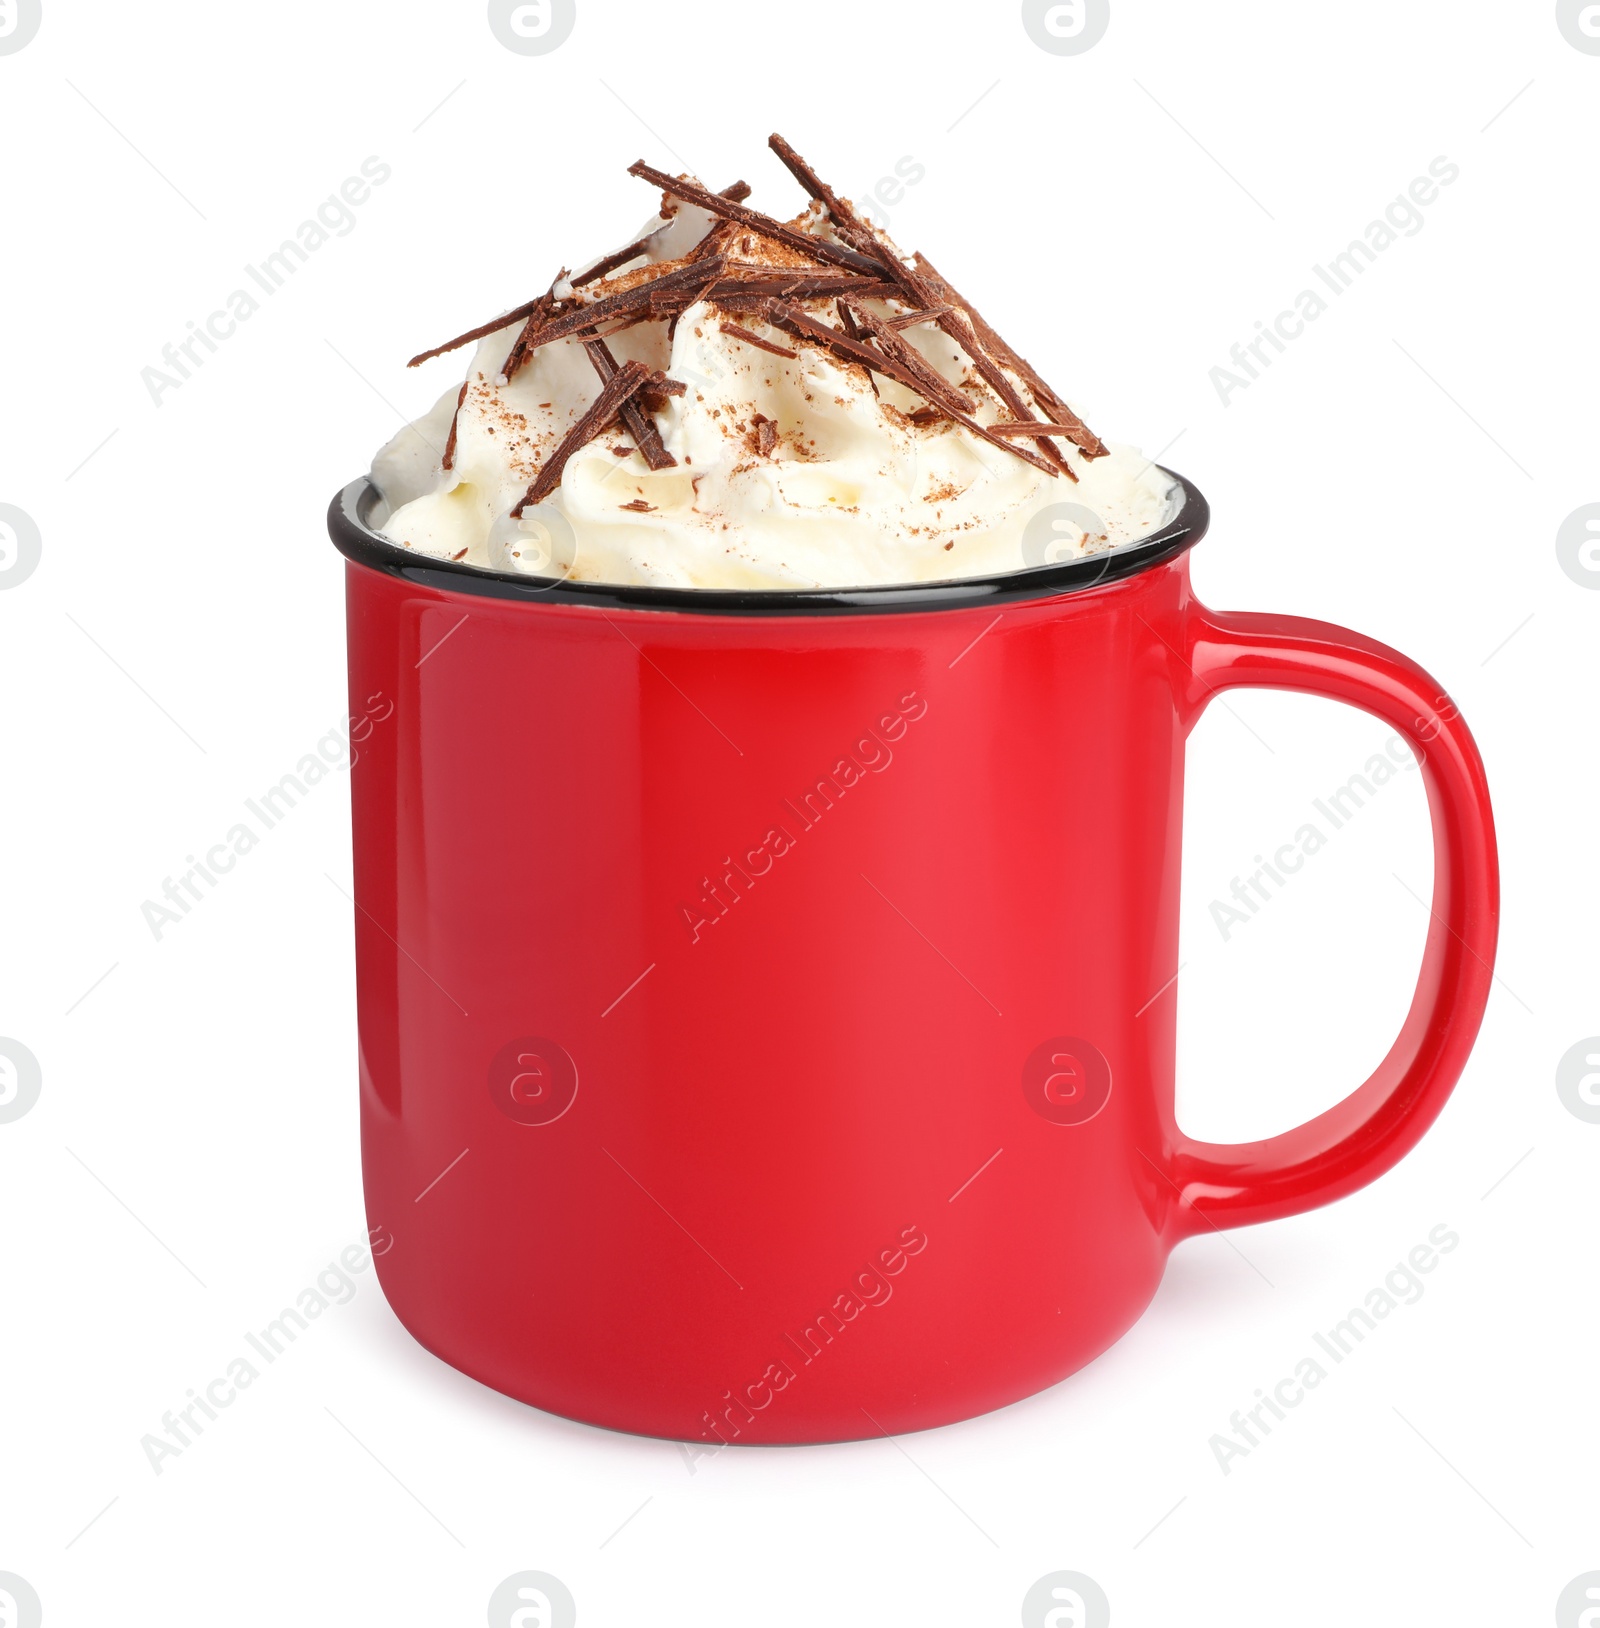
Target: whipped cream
x=790 y=472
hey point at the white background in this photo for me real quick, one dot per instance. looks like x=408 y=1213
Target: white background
x=192 y=1162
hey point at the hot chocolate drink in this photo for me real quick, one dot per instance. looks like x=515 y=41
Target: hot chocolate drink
x=736 y=401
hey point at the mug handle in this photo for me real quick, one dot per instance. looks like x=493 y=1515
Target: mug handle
x=1236 y=1184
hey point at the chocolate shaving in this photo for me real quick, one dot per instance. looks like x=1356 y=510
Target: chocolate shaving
x=844 y=220
x=853 y=328
x=994 y=376
x=899 y=361
x=913 y=319
x=653 y=398
x=670 y=307
x=1032 y=426
x=533 y=310
x=924 y=378
x=765 y=434
x=493 y=326
x=734 y=304
x=917 y=290
x=848 y=224
x=630 y=300
x=859 y=266
x=639 y=506
x=803 y=282
x=938 y=390
x=722 y=232
x=928 y=290
x=617 y=389
x=803 y=242
x=734 y=331
x=840 y=344
x=523 y=345
x=625 y=323
x=956 y=324
x=448 y=461
x=1085 y=439
x=608 y=263
x=962 y=324
x=637 y=423
x=751 y=294
x=941 y=300
x=717 y=241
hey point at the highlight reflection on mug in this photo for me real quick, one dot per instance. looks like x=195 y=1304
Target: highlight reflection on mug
x=533 y=1080
x=1066 y=1080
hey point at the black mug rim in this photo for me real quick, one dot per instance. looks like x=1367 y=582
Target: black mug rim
x=356 y=540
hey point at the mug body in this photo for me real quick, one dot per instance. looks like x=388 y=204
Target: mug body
x=767 y=1020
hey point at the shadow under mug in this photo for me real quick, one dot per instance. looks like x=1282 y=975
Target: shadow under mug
x=767 y=1002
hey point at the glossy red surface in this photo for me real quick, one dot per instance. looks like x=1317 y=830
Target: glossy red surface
x=699 y=1109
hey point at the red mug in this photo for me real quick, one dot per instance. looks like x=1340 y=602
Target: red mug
x=767 y=1000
